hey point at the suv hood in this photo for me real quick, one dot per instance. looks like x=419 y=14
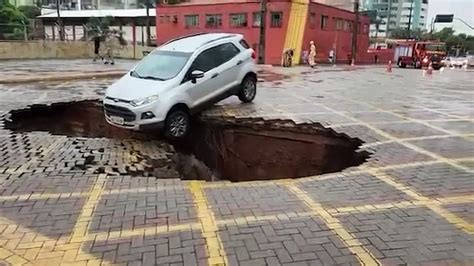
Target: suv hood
x=130 y=88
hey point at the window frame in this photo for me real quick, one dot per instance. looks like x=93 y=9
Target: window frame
x=186 y=21
x=272 y=21
x=241 y=24
x=256 y=22
x=217 y=24
x=324 y=22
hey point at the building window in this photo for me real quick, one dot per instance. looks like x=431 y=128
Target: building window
x=312 y=20
x=238 y=20
x=324 y=22
x=366 y=28
x=277 y=19
x=347 y=25
x=339 y=24
x=191 y=21
x=256 y=19
x=213 y=21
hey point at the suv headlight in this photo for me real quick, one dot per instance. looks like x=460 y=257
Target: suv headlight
x=143 y=101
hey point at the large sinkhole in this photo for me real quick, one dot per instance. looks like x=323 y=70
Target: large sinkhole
x=219 y=149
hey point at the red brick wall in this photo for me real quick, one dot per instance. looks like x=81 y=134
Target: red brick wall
x=326 y=38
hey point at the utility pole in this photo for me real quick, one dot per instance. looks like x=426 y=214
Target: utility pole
x=148 y=34
x=409 y=20
x=59 y=22
x=355 y=30
x=261 y=41
x=389 y=17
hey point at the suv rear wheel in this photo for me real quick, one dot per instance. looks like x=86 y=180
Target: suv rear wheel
x=177 y=124
x=248 y=89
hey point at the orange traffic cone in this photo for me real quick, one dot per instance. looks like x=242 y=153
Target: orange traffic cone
x=389 y=66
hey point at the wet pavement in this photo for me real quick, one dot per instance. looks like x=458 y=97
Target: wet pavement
x=410 y=203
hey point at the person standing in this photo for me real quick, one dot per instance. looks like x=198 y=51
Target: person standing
x=331 y=57
x=312 y=55
x=97 y=39
x=111 y=40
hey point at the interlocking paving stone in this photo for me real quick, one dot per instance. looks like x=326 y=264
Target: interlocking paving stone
x=309 y=241
x=351 y=189
x=410 y=236
x=463 y=210
x=454 y=148
x=432 y=181
x=459 y=127
x=409 y=130
x=393 y=154
x=233 y=202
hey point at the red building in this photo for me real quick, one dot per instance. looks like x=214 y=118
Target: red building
x=289 y=24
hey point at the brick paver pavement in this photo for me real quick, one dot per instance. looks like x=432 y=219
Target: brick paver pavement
x=410 y=203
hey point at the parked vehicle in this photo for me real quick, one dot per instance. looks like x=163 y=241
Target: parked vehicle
x=420 y=54
x=181 y=78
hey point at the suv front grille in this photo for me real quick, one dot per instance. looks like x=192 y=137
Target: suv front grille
x=113 y=110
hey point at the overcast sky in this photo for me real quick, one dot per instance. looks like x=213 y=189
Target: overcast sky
x=463 y=9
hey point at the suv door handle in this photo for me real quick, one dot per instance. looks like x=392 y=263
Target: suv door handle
x=214 y=75
x=239 y=62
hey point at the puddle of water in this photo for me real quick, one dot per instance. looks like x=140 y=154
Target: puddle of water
x=242 y=150
x=269 y=76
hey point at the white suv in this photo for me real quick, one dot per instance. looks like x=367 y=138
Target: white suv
x=180 y=78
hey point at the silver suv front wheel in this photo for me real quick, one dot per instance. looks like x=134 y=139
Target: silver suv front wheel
x=177 y=124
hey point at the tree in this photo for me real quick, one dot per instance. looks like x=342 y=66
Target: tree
x=14 y=21
x=417 y=34
x=30 y=12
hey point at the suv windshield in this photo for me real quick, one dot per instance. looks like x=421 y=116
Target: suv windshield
x=161 y=65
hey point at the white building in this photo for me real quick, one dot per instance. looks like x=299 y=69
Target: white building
x=394 y=14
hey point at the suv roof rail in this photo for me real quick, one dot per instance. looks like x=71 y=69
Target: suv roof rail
x=182 y=37
x=220 y=38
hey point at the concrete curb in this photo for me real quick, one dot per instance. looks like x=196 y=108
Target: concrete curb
x=111 y=74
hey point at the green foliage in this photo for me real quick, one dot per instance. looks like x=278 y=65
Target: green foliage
x=461 y=41
x=12 y=19
x=417 y=34
x=97 y=26
x=30 y=12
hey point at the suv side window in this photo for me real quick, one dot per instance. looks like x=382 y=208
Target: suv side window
x=225 y=52
x=205 y=61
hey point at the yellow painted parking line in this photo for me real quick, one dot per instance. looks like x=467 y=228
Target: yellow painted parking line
x=400 y=204
x=215 y=248
x=354 y=245
x=81 y=228
x=433 y=205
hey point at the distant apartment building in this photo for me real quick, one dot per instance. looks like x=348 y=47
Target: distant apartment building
x=397 y=14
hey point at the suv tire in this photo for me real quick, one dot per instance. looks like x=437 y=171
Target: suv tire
x=248 y=89
x=177 y=124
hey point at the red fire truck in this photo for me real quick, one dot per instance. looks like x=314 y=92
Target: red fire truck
x=419 y=54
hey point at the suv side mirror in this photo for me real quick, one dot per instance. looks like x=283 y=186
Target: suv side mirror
x=196 y=74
